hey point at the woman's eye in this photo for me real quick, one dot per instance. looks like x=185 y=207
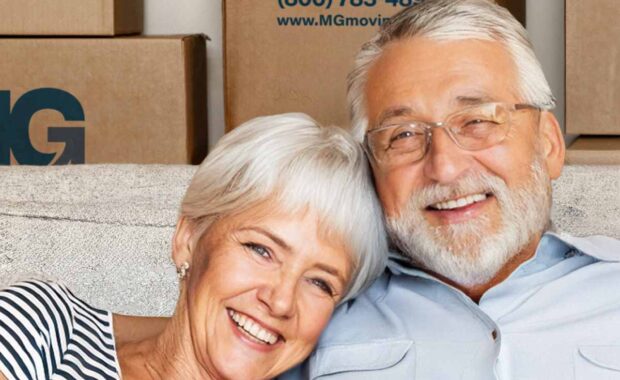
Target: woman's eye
x=323 y=286
x=258 y=249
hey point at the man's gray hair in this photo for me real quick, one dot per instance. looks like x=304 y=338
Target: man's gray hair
x=451 y=20
x=291 y=162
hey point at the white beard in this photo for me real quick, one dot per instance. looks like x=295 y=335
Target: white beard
x=467 y=253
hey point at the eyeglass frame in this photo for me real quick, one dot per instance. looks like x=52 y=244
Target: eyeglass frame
x=442 y=124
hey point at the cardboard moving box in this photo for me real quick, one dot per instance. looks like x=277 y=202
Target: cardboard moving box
x=594 y=150
x=103 y=100
x=71 y=17
x=294 y=55
x=592 y=67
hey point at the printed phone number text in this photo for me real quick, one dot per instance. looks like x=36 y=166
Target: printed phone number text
x=328 y=4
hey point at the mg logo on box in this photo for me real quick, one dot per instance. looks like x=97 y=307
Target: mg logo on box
x=15 y=127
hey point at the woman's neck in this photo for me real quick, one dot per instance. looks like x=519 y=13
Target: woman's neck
x=168 y=355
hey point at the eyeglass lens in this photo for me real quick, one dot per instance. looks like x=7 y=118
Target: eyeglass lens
x=473 y=128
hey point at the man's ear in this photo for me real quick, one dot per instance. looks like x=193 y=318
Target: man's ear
x=181 y=242
x=553 y=148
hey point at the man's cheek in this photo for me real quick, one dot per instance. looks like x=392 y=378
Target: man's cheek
x=394 y=193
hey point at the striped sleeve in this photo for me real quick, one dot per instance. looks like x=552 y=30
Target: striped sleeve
x=92 y=352
x=36 y=323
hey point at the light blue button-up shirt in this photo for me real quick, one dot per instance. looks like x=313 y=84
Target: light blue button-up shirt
x=556 y=317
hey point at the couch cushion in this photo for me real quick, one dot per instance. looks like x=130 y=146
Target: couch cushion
x=105 y=230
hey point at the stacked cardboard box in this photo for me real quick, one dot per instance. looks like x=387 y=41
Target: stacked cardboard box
x=593 y=81
x=71 y=17
x=294 y=55
x=95 y=99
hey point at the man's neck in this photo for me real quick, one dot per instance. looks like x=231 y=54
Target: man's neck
x=477 y=291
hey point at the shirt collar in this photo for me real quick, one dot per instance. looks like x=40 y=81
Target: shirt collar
x=553 y=247
x=600 y=247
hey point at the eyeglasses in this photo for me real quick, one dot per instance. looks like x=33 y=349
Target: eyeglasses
x=473 y=128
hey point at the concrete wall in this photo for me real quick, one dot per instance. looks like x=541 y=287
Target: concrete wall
x=545 y=23
x=195 y=16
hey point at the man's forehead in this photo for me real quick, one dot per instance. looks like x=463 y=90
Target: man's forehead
x=459 y=101
x=418 y=72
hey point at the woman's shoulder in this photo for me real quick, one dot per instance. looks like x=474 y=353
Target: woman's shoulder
x=43 y=325
x=47 y=301
x=36 y=303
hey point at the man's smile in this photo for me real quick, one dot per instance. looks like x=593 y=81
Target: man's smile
x=460 y=209
x=460 y=202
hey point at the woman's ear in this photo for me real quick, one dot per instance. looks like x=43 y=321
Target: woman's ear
x=181 y=242
x=553 y=148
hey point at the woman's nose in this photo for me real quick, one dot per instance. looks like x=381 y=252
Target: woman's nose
x=279 y=295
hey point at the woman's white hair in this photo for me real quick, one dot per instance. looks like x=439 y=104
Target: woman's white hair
x=296 y=164
x=451 y=20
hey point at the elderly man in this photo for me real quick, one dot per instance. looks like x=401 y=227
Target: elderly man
x=453 y=108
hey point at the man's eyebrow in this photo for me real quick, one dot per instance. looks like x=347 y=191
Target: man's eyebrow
x=474 y=100
x=393 y=112
x=275 y=238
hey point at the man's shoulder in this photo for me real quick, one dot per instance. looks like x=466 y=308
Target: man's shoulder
x=364 y=334
x=369 y=317
x=351 y=320
x=394 y=308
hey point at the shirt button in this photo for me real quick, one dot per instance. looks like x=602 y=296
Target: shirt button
x=570 y=254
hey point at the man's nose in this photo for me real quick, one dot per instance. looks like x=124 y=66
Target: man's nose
x=444 y=161
x=279 y=294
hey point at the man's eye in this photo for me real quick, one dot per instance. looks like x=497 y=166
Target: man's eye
x=258 y=249
x=323 y=286
x=478 y=127
x=407 y=139
x=401 y=135
x=480 y=122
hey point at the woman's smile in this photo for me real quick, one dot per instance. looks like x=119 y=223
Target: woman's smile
x=249 y=328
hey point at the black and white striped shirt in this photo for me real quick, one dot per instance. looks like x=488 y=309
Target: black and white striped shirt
x=48 y=333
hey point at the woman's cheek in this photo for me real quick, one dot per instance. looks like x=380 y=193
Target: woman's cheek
x=314 y=316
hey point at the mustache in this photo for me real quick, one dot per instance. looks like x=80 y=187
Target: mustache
x=473 y=183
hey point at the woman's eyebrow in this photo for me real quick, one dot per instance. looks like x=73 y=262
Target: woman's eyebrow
x=331 y=270
x=276 y=239
x=324 y=267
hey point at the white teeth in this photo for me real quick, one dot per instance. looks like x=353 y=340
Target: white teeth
x=253 y=328
x=460 y=202
x=262 y=335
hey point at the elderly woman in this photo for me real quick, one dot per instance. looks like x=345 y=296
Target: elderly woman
x=279 y=225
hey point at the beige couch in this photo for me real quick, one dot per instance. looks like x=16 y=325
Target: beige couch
x=105 y=230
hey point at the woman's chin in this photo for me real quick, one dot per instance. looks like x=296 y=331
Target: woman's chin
x=244 y=357
x=246 y=368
